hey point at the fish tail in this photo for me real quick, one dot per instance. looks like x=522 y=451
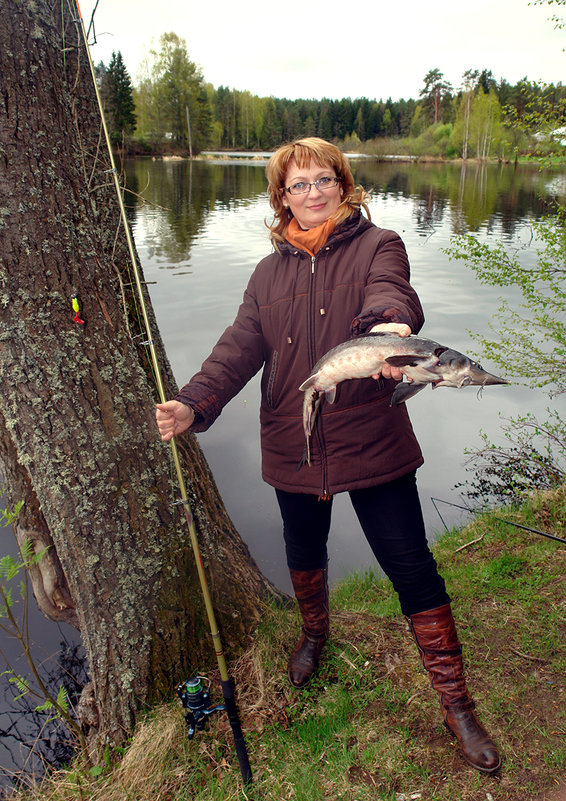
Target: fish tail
x=310 y=409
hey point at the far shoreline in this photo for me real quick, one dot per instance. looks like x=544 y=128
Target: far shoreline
x=261 y=157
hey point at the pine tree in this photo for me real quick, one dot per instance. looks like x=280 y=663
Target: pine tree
x=434 y=91
x=117 y=94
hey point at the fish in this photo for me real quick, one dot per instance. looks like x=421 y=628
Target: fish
x=422 y=360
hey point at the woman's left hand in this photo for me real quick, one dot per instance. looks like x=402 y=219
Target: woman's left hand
x=388 y=371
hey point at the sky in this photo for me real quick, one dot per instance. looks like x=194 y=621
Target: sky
x=325 y=48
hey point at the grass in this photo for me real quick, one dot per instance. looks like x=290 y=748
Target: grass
x=368 y=727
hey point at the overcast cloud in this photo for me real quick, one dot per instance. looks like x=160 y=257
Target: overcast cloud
x=370 y=49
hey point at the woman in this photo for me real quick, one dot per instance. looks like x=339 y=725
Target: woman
x=334 y=275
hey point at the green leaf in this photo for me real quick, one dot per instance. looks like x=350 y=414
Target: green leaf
x=8 y=601
x=9 y=567
x=46 y=706
x=36 y=558
x=27 y=551
x=63 y=699
x=8 y=517
x=20 y=682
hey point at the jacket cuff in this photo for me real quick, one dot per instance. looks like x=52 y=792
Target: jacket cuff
x=206 y=411
x=390 y=314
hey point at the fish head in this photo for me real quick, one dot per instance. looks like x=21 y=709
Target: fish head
x=458 y=370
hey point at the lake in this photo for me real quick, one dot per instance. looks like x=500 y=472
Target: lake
x=199 y=231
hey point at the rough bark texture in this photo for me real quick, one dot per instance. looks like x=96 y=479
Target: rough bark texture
x=77 y=434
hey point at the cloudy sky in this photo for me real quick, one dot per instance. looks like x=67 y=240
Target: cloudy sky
x=323 y=48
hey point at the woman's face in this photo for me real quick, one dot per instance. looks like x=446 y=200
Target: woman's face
x=315 y=206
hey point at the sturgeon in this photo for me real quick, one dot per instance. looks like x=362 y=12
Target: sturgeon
x=423 y=361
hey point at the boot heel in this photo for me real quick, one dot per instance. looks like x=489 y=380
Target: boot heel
x=303 y=662
x=311 y=591
x=435 y=634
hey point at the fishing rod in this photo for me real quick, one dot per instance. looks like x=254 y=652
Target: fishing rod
x=191 y=694
x=500 y=519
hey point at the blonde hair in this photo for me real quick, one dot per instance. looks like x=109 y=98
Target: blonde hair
x=323 y=154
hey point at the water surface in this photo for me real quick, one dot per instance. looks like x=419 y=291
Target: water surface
x=203 y=238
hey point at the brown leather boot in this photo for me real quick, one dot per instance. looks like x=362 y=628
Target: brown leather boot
x=435 y=634
x=311 y=591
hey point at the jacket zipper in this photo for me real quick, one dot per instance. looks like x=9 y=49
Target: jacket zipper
x=271 y=381
x=312 y=354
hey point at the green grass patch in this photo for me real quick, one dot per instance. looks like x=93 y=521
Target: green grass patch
x=368 y=727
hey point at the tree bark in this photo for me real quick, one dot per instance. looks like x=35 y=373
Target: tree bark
x=77 y=435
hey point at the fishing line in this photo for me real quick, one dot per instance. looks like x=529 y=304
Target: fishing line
x=91 y=26
x=500 y=519
x=226 y=682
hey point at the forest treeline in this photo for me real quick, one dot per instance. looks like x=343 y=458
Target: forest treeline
x=172 y=107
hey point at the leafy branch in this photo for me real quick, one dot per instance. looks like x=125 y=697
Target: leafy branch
x=558 y=21
x=534 y=457
x=531 y=338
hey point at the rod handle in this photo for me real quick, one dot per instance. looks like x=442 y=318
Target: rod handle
x=234 y=718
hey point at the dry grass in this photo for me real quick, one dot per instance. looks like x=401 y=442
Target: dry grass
x=369 y=726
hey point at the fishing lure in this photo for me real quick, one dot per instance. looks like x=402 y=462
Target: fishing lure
x=75 y=303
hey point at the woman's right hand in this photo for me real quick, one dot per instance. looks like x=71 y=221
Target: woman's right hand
x=388 y=371
x=173 y=418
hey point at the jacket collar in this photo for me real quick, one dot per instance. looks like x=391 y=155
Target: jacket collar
x=354 y=224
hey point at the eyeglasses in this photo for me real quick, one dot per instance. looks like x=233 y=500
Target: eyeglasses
x=302 y=187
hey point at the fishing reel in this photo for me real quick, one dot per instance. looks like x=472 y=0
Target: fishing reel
x=196 y=700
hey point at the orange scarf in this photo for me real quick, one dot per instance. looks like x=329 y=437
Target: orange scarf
x=311 y=239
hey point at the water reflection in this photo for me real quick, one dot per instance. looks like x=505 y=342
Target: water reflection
x=179 y=196
x=31 y=739
x=471 y=194
x=200 y=244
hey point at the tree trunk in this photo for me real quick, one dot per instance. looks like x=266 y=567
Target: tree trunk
x=467 y=101
x=189 y=137
x=78 y=439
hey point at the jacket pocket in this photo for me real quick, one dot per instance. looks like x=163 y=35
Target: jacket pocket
x=269 y=394
x=362 y=391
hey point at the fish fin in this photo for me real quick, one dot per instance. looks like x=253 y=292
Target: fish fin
x=308 y=383
x=330 y=395
x=407 y=360
x=405 y=390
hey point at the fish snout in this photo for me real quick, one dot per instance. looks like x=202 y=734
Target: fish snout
x=488 y=379
x=479 y=376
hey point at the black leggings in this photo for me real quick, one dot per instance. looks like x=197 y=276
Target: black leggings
x=392 y=521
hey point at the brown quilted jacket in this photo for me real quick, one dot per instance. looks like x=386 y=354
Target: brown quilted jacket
x=294 y=310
